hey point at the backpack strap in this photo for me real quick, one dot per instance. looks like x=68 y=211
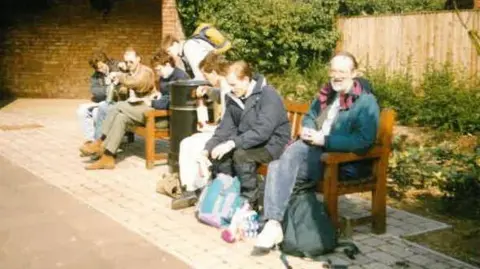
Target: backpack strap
x=327 y=262
x=186 y=64
x=349 y=248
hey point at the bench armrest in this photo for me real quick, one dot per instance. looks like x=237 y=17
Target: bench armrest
x=337 y=157
x=157 y=113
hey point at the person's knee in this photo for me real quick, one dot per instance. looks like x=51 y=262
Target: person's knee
x=82 y=110
x=102 y=109
x=240 y=156
x=273 y=165
x=121 y=119
x=185 y=144
x=121 y=106
x=294 y=151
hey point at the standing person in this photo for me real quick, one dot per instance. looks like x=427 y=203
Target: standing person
x=254 y=129
x=343 y=118
x=189 y=53
x=87 y=113
x=140 y=80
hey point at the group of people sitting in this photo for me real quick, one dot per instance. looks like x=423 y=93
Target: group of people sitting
x=250 y=124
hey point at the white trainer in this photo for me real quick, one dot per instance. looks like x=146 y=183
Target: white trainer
x=271 y=235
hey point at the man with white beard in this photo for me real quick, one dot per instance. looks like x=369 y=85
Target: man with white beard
x=342 y=118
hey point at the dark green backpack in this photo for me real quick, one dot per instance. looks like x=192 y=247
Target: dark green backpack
x=307 y=229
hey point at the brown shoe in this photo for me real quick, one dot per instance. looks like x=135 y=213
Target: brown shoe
x=93 y=148
x=105 y=162
x=169 y=185
x=84 y=147
x=186 y=199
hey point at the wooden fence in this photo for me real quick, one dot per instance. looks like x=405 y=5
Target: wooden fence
x=410 y=42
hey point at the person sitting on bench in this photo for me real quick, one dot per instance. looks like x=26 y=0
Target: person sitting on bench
x=254 y=129
x=343 y=118
x=140 y=81
x=214 y=67
x=167 y=72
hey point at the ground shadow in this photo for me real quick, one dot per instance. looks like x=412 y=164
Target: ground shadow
x=6 y=99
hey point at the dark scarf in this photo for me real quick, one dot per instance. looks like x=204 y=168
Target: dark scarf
x=327 y=94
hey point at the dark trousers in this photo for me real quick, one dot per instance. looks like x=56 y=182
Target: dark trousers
x=243 y=164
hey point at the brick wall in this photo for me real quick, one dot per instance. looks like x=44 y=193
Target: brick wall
x=171 y=23
x=46 y=55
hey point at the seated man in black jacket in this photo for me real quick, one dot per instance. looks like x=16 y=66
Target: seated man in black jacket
x=254 y=129
x=164 y=66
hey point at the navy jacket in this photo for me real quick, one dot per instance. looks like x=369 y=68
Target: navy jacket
x=164 y=87
x=262 y=122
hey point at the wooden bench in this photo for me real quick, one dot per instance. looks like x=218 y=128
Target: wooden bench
x=151 y=133
x=332 y=187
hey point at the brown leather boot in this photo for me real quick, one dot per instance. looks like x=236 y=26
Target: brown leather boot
x=105 y=162
x=93 y=148
x=169 y=185
x=186 y=199
x=84 y=147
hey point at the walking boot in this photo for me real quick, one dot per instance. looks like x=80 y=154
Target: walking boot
x=169 y=185
x=94 y=148
x=105 y=162
x=186 y=199
x=84 y=147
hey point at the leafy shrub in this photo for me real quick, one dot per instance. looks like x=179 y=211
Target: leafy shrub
x=456 y=174
x=300 y=86
x=274 y=35
x=397 y=92
x=444 y=100
x=449 y=102
x=462 y=187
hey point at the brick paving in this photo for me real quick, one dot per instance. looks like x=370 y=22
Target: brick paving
x=127 y=195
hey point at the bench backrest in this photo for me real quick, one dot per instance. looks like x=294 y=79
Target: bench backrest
x=295 y=112
x=385 y=128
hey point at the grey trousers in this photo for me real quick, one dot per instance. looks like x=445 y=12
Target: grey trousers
x=122 y=116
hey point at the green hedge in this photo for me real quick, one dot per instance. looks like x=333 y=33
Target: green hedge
x=445 y=100
x=455 y=173
x=274 y=35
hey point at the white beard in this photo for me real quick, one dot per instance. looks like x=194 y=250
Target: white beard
x=343 y=86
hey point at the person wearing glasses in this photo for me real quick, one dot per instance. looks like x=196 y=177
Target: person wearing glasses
x=343 y=117
x=140 y=82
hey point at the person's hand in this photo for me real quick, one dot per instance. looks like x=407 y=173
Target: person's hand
x=122 y=66
x=219 y=151
x=202 y=90
x=316 y=138
x=113 y=77
x=204 y=153
x=305 y=133
x=203 y=164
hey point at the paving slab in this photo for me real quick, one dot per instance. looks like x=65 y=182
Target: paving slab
x=127 y=195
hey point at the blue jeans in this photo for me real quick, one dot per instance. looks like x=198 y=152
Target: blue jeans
x=103 y=108
x=86 y=114
x=292 y=166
